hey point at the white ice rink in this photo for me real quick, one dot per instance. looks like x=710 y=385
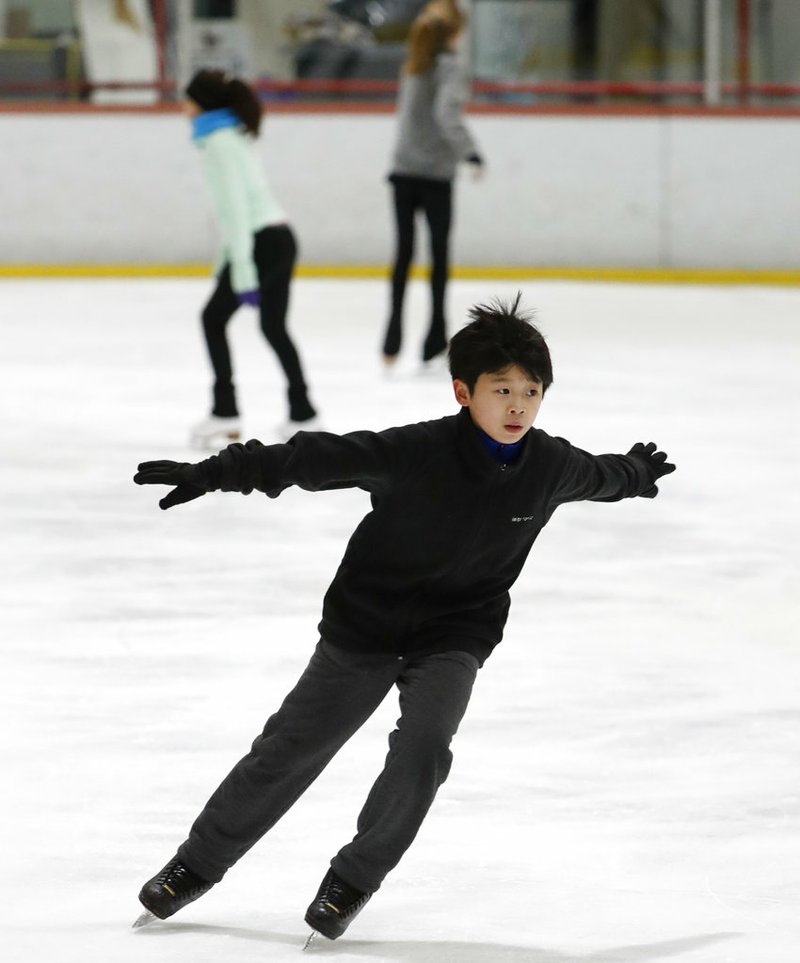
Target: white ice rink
x=626 y=784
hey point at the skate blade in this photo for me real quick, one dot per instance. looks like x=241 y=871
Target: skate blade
x=310 y=940
x=144 y=920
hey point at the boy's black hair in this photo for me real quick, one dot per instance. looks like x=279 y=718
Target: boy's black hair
x=500 y=334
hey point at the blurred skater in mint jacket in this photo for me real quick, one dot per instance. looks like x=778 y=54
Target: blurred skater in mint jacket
x=257 y=255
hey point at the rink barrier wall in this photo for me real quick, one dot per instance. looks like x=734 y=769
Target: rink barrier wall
x=607 y=195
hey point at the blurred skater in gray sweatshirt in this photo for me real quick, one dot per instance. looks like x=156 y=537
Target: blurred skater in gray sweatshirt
x=432 y=139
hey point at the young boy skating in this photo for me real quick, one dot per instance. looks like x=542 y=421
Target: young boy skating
x=419 y=601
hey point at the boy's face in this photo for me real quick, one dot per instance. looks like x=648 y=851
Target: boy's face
x=503 y=403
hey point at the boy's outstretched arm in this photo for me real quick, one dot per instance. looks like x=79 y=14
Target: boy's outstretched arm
x=609 y=478
x=314 y=461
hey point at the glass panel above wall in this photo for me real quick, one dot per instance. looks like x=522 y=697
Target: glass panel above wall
x=521 y=53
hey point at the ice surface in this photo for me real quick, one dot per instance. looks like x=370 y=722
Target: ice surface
x=626 y=785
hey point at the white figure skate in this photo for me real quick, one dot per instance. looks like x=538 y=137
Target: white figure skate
x=289 y=428
x=214 y=433
x=437 y=367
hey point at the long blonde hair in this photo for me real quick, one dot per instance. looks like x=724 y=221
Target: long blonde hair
x=430 y=33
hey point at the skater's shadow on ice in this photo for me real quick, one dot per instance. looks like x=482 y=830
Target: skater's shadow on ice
x=207 y=929
x=432 y=951
x=445 y=952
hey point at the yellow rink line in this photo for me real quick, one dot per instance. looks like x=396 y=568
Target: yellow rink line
x=483 y=272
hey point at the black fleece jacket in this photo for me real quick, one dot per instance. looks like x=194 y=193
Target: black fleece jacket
x=428 y=569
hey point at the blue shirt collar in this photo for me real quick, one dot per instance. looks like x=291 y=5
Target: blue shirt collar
x=505 y=454
x=211 y=120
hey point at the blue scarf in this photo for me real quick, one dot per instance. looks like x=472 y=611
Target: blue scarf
x=505 y=454
x=211 y=120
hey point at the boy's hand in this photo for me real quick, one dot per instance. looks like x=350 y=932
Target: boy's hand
x=656 y=461
x=184 y=476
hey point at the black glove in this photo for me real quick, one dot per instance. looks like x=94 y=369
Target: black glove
x=186 y=477
x=656 y=462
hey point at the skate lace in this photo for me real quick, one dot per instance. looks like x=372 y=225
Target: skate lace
x=340 y=896
x=181 y=880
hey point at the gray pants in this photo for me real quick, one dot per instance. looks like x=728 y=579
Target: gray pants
x=338 y=691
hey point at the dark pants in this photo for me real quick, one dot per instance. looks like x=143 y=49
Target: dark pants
x=338 y=691
x=274 y=252
x=434 y=199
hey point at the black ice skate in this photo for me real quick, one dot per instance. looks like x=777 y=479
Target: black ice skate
x=171 y=890
x=335 y=907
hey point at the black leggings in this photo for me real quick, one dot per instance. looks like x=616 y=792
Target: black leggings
x=274 y=252
x=434 y=198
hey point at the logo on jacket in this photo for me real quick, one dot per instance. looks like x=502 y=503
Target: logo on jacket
x=522 y=518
